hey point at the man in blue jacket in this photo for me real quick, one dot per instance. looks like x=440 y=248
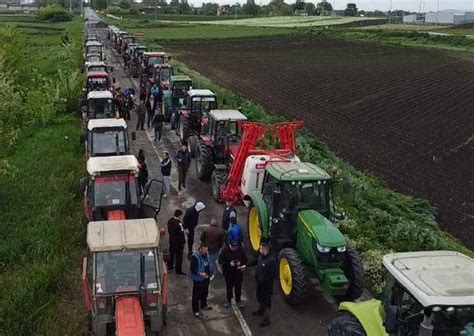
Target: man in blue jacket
x=200 y=272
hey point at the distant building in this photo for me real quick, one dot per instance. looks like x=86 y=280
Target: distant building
x=417 y=18
x=450 y=17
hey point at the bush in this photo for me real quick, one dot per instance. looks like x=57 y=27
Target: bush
x=54 y=13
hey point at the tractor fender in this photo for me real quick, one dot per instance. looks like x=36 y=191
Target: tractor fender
x=369 y=314
x=259 y=203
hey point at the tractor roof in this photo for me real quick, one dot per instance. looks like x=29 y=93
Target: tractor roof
x=99 y=164
x=106 y=123
x=227 y=115
x=296 y=171
x=96 y=63
x=117 y=235
x=97 y=74
x=162 y=66
x=93 y=44
x=132 y=44
x=200 y=92
x=99 y=95
x=154 y=53
x=180 y=78
x=437 y=278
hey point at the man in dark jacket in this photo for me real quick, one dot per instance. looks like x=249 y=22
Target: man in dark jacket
x=141 y=112
x=176 y=240
x=265 y=274
x=213 y=236
x=229 y=209
x=190 y=220
x=233 y=261
x=200 y=272
x=183 y=157
x=166 y=173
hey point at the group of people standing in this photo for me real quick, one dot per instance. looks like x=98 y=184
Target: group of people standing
x=220 y=244
x=151 y=100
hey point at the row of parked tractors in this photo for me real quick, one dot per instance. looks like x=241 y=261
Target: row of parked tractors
x=289 y=202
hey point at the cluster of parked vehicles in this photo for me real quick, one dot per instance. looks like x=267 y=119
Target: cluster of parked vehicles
x=289 y=201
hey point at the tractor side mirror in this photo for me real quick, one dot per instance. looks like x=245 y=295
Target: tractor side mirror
x=83 y=184
x=152 y=195
x=391 y=318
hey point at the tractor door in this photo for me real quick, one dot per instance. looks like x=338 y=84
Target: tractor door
x=152 y=196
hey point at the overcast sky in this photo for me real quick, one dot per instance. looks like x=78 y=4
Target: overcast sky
x=411 y=5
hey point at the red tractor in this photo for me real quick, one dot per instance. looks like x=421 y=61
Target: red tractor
x=124 y=279
x=149 y=59
x=111 y=191
x=98 y=81
x=218 y=146
x=193 y=115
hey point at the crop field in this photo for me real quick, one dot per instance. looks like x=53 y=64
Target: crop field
x=403 y=114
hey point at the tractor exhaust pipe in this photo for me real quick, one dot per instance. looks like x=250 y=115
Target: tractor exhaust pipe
x=426 y=326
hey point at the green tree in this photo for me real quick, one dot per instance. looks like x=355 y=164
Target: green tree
x=99 y=4
x=310 y=8
x=351 y=10
x=323 y=8
x=209 y=9
x=251 y=8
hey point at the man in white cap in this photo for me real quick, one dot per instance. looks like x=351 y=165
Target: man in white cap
x=190 y=221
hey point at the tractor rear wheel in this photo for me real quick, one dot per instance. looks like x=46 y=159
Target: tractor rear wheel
x=354 y=271
x=254 y=229
x=204 y=161
x=193 y=144
x=292 y=275
x=218 y=179
x=345 y=324
x=184 y=130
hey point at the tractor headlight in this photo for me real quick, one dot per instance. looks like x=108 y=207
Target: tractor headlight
x=341 y=249
x=323 y=249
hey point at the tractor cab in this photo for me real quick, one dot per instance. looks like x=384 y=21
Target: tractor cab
x=91 y=37
x=426 y=294
x=139 y=50
x=130 y=48
x=119 y=41
x=173 y=98
x=99 y=105
x=94 y=47
x=194 y=112
x=124 y=278
x=94 y=57
x=127 y=41
x=179 y=86
x=98 y=67
x=162 y=74
x=150 y=58
x=97 y=81
x=111 y=190
x=106 y=137
x=136 y=55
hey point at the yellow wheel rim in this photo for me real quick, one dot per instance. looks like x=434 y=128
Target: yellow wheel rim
x=285 y=276
x=255 y=233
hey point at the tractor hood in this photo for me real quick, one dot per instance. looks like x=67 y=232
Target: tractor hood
x=322 y=230
x=129 y=317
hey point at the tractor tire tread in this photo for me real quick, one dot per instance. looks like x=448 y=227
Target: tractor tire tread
x=345 y=324
x=355 y=274
x=218 y=177
x=207 y=161
x=298 y=275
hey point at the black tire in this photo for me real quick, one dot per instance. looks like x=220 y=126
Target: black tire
x=184 y=130
x=298 y=275
x=204 y=161
x=193 y=143
x=218 y=180
x=345 y=324
x=354 y=271
x=164 y=316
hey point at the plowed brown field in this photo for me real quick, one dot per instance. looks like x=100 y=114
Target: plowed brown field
x=404 y=114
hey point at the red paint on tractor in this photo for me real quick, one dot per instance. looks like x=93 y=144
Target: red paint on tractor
x=116 y=215
x=129 y=317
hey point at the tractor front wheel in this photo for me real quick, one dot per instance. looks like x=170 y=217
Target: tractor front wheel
x=345 y=324
x=292 y=275
x=254 y=229
x=204 y=161
x=218 y=179
x=354 y=271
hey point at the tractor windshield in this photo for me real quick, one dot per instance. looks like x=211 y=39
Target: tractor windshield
x=109 y=142
x=98 y=83
x=112 y=191
x=121 y=271
x=304 y=195
x=101 y=108
x=94 y=49
x=165 y=74
x=97 y=68
x=203 y=104
x=152 y=60
x=180 y=89
x=93 y=58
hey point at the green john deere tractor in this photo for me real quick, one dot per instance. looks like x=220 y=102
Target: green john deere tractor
x=293 y=209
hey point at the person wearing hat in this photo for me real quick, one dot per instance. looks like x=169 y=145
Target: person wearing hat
x=235 y=231
x=166 y=173
x=233 y=261
x=190 y=220
x=229 y=209
x=200 y=273
x=265 y=274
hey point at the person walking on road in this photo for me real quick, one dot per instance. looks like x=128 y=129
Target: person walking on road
x=190 y=220
x=183 y=157
x=176 y=240
x=141 y=113
x=149 y=111
x=155 y=92
x=229 y=208
x=142 y=171
x=265 y=274
x=166 y=173
x=200 y=272
x=157 y=123
x=213 y=236
x=235 y=232
x=233 y=261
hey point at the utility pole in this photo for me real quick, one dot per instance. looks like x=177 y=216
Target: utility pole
x=390 y=13
x=437 y=14
x=156 y=9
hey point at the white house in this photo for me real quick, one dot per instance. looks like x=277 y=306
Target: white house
x=449 y=17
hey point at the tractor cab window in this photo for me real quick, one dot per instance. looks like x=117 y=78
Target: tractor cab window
x=101 y=108
x=98 y=83
x=94 y=49
x=271 y=184
x=115 y=191
x=203 y=104
x=165 y=74
x=155 y=60
x=121 y=271
x=109 y=142
x=303 y=195
x=97 y=68
x=95 y=58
